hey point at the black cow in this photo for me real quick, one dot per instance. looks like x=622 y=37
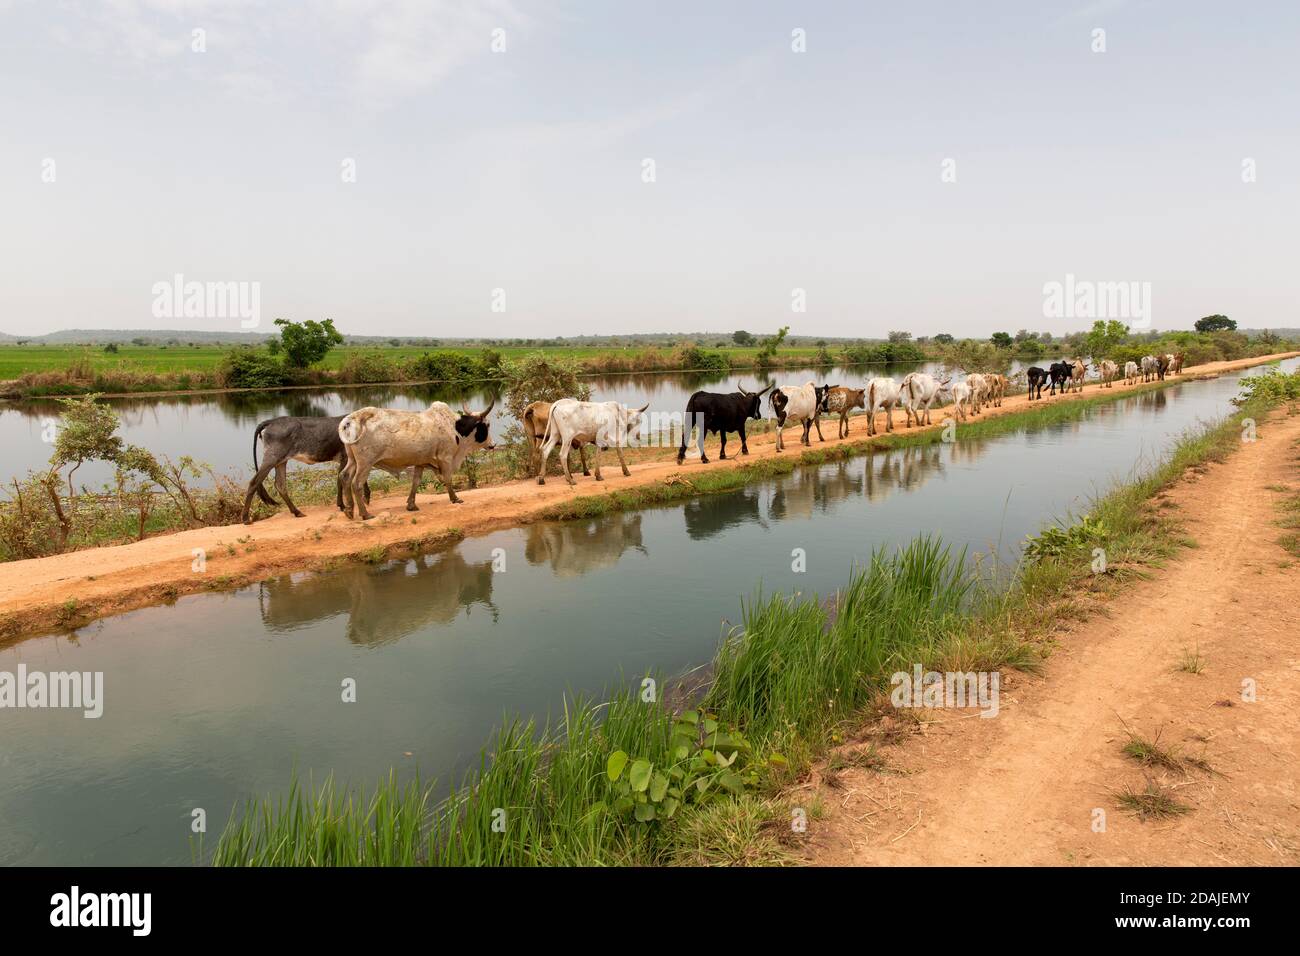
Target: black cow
x=1162 y=366
x=1037 y=378
x=718 y=412
x=312 y=439
x=1059 y=372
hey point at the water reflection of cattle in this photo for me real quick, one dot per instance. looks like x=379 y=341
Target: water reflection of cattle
x=815 y=489
x=711 y=515
x=904 y=468
x=383 y=605
x=573 y=548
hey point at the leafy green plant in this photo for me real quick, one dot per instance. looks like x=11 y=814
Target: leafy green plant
x=708 y=762
x=1057 y=542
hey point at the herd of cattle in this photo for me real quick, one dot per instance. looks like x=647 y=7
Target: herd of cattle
x=396 y=440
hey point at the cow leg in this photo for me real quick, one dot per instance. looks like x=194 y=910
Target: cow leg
x=417 y=473
x=704 y=459
x=564 y=458
x=448 y=475
x=807 y=432
x=744 y=448
x=582 y=457
x=780 y=445
x=817 y=420
x=282 y=486
x=722 y=450
x=844 y=425
x=254 y=487
x=360 y=473
x=618 y=450
x=345 y=485
x=889 y=418
x=546 y=454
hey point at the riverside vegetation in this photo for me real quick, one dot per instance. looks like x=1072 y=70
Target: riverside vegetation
x=636 y=781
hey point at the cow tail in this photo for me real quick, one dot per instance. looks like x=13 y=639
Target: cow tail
x=257 y=433
x=353 y=425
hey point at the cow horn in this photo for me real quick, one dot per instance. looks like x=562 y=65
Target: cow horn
x=487 y=411
x=770 y=385
x=742 y=390
x=643 y=408
x=465 y=408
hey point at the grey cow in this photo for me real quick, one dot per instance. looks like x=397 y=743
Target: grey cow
x=313 y=439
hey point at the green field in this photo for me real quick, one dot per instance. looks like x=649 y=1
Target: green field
x=15 y=360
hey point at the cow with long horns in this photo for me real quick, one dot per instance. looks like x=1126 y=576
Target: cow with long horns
x=718 y=412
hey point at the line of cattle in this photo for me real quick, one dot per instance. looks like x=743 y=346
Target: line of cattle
x=438 y=438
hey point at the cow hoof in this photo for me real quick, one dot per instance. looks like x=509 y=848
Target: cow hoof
x=412 y=507
x=598 y=478
x=722 y=456
x=703 y=460
x=541 y=481
x=744 y=451
x=299 y=514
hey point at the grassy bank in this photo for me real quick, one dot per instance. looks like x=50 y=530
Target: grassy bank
x=635 y=782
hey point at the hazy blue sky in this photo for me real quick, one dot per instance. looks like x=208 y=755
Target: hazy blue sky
x=522 y=170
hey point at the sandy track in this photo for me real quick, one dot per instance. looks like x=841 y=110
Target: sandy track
x=1021 y=788
x=68 y=589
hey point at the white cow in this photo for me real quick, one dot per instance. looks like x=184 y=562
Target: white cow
x=979 y=390
x=962 y=396
x=393 y=439
x=919 y=390
x=602 y=424
x=1108 y=371
x=795 y=404
x=881 y=393
x=1150 y=367
x=1131 y=373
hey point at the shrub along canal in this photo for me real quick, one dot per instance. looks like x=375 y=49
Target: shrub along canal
x=222 y=697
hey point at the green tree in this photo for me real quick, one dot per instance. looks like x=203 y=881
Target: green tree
x=1105 y=337
x=741 y=337
x=306 y=343
x=943 y=338
x=900 y=337
x=1215 y=323
x=1001 y=340
x=767 y=348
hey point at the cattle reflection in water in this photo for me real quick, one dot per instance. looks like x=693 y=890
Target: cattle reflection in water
x=814 y=490
x=383 y=604
x=573 y=548
x=713 y=514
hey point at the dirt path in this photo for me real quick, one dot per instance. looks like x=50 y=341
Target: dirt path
x=1022 y=788
x=69 y=589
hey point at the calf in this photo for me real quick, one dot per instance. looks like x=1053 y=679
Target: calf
x=313 y=439
x=393 y=439
x=603 y=424
x=1036 y=378
x=961 y=396
x=843 y=400
x=536 y=416
x=799 y=404
x=919 y=390
x=881 y=393
x=716 y=412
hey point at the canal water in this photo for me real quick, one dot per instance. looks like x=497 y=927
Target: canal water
x=221 y=697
